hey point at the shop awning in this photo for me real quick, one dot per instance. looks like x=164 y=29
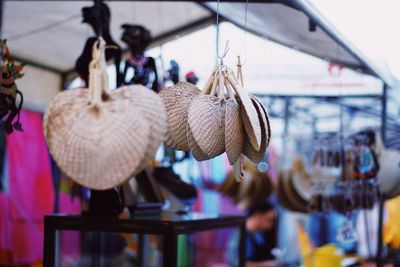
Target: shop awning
x=290 y=23
x=50 y=34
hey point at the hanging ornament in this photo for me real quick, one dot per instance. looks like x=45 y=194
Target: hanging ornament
x=10 y=71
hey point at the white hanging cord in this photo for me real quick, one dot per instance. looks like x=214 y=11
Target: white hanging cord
x=226 y=50
x=217 y=37
x=245 y=32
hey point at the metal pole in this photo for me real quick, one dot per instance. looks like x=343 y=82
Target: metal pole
x=1 y=15
x=285 y=133
x=379 y=259
x=384 y=112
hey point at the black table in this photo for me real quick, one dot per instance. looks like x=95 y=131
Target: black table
x=166 y=224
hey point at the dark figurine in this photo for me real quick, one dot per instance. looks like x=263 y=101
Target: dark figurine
x=8 y=91
x=173 y=71
x=191 y=77
x=138 y=39
x=108 y=202
x=103 y=30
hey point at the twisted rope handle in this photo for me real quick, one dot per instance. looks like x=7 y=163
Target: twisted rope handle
x=98 y=79
x=239 y=71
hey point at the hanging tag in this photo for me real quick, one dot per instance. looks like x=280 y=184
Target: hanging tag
x=346 y=233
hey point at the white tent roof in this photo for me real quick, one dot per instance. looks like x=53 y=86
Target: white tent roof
x=50 y=34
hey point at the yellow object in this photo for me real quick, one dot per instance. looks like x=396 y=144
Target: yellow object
x=391 y=230
x=305 y=244
x=325 y=256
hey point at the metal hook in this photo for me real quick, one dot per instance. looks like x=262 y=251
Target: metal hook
x=226 y=50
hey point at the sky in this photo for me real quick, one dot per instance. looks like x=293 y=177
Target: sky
x=372 y=26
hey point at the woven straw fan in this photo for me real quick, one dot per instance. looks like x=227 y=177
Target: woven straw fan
x=96 y=138
x=267 y=124
x=198 y=154
x=154 y=112
x=206 y=120
x=248 y=149
x=233 y=125
x=248 y=112
x=177 y=99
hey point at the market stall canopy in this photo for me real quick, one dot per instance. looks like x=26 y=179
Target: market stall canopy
x=299 y=25
x=50 y=34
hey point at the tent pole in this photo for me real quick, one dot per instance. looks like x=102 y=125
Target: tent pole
x=283 y=159
x=1 y=15
x=384 y=112
x=379 y=259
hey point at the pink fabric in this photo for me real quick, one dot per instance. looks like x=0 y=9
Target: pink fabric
x=5 y=223
x=31 y=193
x=29 y=170
x=70 y=239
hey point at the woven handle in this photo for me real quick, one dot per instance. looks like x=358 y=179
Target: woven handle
x=221 y=84
x=207 y=88
x=234 y=82
x=98 y=79
x=228 y=87
x=215 y=84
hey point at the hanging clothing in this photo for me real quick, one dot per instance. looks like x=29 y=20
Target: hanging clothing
x=30 y=195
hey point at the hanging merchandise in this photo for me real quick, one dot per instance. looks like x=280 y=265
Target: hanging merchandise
x=138 y=38
x=389 y=168
x=100 y=138
x=208 y=123
x=98 y=17
x=255 y=188
x=177 y=99
x=8 y=91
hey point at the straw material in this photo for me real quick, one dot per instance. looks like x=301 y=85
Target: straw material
x=280 y=194
x=248 y=113
x=296 y=201
x=198 y=154
x=98 y=147
x=255 y=188
x=302 y=181
x=248 y=149
x=98 y=137
x=265 y=117
x=177 y=99
x=233 y=131
x=206 y=122
x=155 y=115
x=230 y=187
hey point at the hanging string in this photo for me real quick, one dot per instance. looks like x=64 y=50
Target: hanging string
x=99 y=15
x=245 y=32
x=217 y=25
x=226 y=50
